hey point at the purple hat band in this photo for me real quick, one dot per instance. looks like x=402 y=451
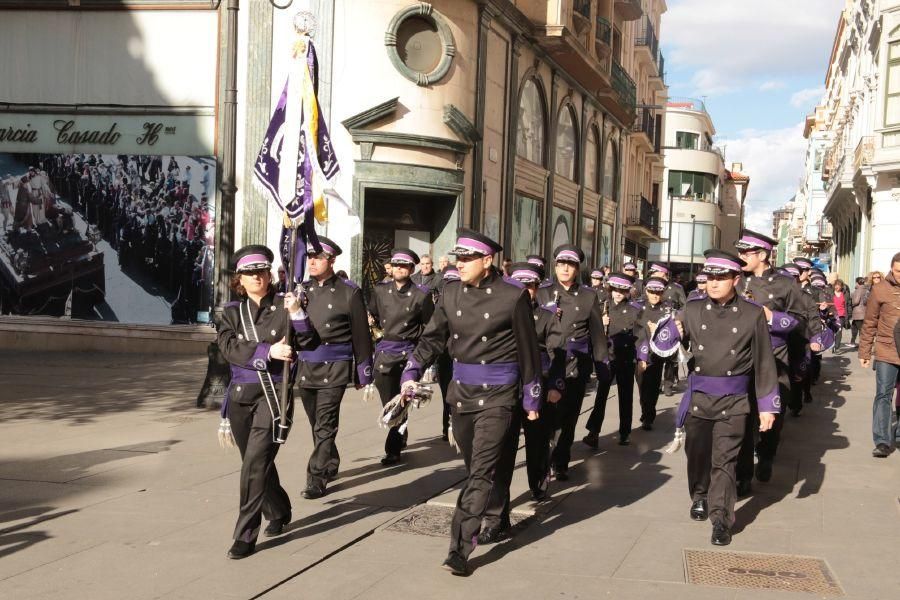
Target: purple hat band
x=659 y=268
x=252 y=259
x=752 y=241
x=792 y=270
x=630 y=267
x=474 y=245
x=450 y=275
x=721 y=263
x=568 y=256
x=535 y=261
x=402 y=258
x=597 y=274
x=701 y=278
x=325 y=248
x=619 y=282
x=655 y=287
x=525 y=276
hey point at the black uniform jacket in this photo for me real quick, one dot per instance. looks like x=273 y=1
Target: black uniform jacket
x=649 y=313
x=338 y=314
x=402 y=314
x=623 y=325
x=246 y=356
x=781 y=295
x=727 y=341
x=549 y=334
x=675 y=295
x=581 y=322
x=430 y=281
x=488 y=325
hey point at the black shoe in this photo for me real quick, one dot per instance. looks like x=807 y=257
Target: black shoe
x=561 y=474
x=456 y=564
x=241 y=549
x=647 y=426
x=390 y=459
x=881 y=451
x=492 y=535
x=699 y=510
x=721 y=535
x=592 y=440
x=795 y=412
x=539 y=495
x=667 y=388
x=445 y=437
x=312 y=492
x=623 y=440
x=744 y=488
x=764 y=470
x=276 y=526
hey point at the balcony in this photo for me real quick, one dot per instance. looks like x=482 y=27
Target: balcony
x=865 y=152
x=630 y=10
x=644 y=128
x=659 y=78
x=646 y=39
x=690 y=104
x=642 y=218
x=826 y=231
x=583 y=8
x=603 y=38
x=624 y=89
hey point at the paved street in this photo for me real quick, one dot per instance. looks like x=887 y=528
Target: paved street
x=113 y=486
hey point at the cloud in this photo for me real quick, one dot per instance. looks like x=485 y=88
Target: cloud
x=803 y=98
x=774 y=161
x=728 y=45
x=772 y=85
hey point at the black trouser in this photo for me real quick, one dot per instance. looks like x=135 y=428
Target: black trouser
x=323 y=409
x=563 y=416
x=670 y=371
x=445 y=376
x=839 y=334
x=649 y=389
x=261 y=491
x=388 y=386
x=855 y=328
x=622 y=368
x=712 y=449
x=482 y=438
x=768 y=442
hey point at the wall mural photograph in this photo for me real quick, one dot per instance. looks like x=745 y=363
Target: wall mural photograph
x=123 y=238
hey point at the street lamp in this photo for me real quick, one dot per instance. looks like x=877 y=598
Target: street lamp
x=693 y=224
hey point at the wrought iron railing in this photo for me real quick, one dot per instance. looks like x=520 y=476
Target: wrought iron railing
x=624 y=87
x=604 y=31
x=646 y=36
x=583 y=8
x=642 y=213
x=645 y=123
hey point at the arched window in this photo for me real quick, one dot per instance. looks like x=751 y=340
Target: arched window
x=566 y=144
x=530 y=136
x=610 y=170
x=592 y=160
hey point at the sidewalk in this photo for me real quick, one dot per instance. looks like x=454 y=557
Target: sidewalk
x=113 y=486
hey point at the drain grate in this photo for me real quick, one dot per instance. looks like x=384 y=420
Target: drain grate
x=433 y=520
x=751 y=570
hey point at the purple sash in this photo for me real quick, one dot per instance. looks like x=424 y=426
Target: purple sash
x=328 y=353
x=247 y=376
x=477 y=374
x=545 y=362
x=394 y=346
x=582 y=346
x=713 y=386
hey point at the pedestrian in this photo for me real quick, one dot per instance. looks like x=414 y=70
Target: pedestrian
x=650 y=365
x=426 y=276
x=444 y=362
x=877 y=341
x=843 y=315
x=538 y=260
x=496 y=371
x=674 y=295
x=496 y=522
x=620 y=321
x=637 y=290
x=858 y=300
x=507 y=264
x=251 y=336
x=779 y=296
x=401 y=309
x=387 y=271
x=338 y=314
x=584 y=344
x=700 y=290
x=729 y=339
x=443 y=263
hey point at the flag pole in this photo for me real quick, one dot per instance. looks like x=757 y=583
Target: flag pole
x=281 y=437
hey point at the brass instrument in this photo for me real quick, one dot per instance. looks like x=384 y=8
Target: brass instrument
x=376 y=331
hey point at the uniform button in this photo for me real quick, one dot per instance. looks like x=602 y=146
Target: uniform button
x=703 y=326
x=695 y=408
x=484 y=338
x=734 y=308
x=404 y=353
x=481 y=402
x=733 y=352
x=326 y=362
x=574 y=325
x=465 y=290
x=771 y=296
x=576 y=293
x=728 y=373
x=488 y=290
x=455 y=336
x=404 y=324
x=700 y=347
x=409 y=293
x=697 y=369
x=723 y=412
x=709 y=307
x=325 y=380
x=390 y=291
x=734 y=330
x=271 y=308
x=303 y=378
x=274 y=332
x=459 y=313
x=241 y=335
x=332 y=289
x=487 y=315
x=577 y=308
x=457 y=383
x=326 y=343
x=407 y=309
x=770 y=278
x=238 y=388
x=483 y=362
x=327 y=324
x=458 y=404
x=484 y=385
x=624 y=310
x=329 y=306
x=535 y=317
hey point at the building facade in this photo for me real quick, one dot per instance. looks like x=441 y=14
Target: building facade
x=703 y=206
x=860 y=114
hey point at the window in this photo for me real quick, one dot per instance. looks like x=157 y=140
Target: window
x=605 y=256
x=892 y=102
x=588 y=237
x=610 y=170
x=526 y=227
x=592 y=161
x=566 y=144
x=530 y=141
x=687 y=140
x=817 y=161
x=693 y=186
x=563 y=226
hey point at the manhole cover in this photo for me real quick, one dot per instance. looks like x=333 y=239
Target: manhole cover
x=751 y=570
x=432 y=520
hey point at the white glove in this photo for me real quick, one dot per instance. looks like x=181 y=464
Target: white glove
x=369 y=392
x=430 y=375
x=677 y=442
x=226 y=437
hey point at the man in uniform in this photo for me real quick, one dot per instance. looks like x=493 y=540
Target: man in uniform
x=620 y=321
x=489 y=326
x=444 y=362
x=637 y=290
x=338 y=314
x=537 y=444
x=700 y=290
x=729 y=340
x=401 y=309
x=584 y=343
x=780 y=299
x=538 y=260
x=674 y=295
x=426 y=276
x=650 y=365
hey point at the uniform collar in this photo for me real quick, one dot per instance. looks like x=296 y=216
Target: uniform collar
x=489 y=280
x=728 y=304
x=574 y=288
x=402 y=289
x=328 y=282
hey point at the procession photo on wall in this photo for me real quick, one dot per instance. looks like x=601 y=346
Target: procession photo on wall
x=125 y=238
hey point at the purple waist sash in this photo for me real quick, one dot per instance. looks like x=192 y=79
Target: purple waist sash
x=494 y=374
x=245 y=376
x=777 y=341
x=714 y=386
x=545 y=361
x=394 y=346
x=328 y=353
x=582 y=346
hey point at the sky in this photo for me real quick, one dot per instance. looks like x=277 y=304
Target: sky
x=760 y=68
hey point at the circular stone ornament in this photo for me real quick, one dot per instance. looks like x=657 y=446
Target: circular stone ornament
x=420 y=44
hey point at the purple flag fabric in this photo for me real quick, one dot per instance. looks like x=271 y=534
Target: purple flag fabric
x=665 y=339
